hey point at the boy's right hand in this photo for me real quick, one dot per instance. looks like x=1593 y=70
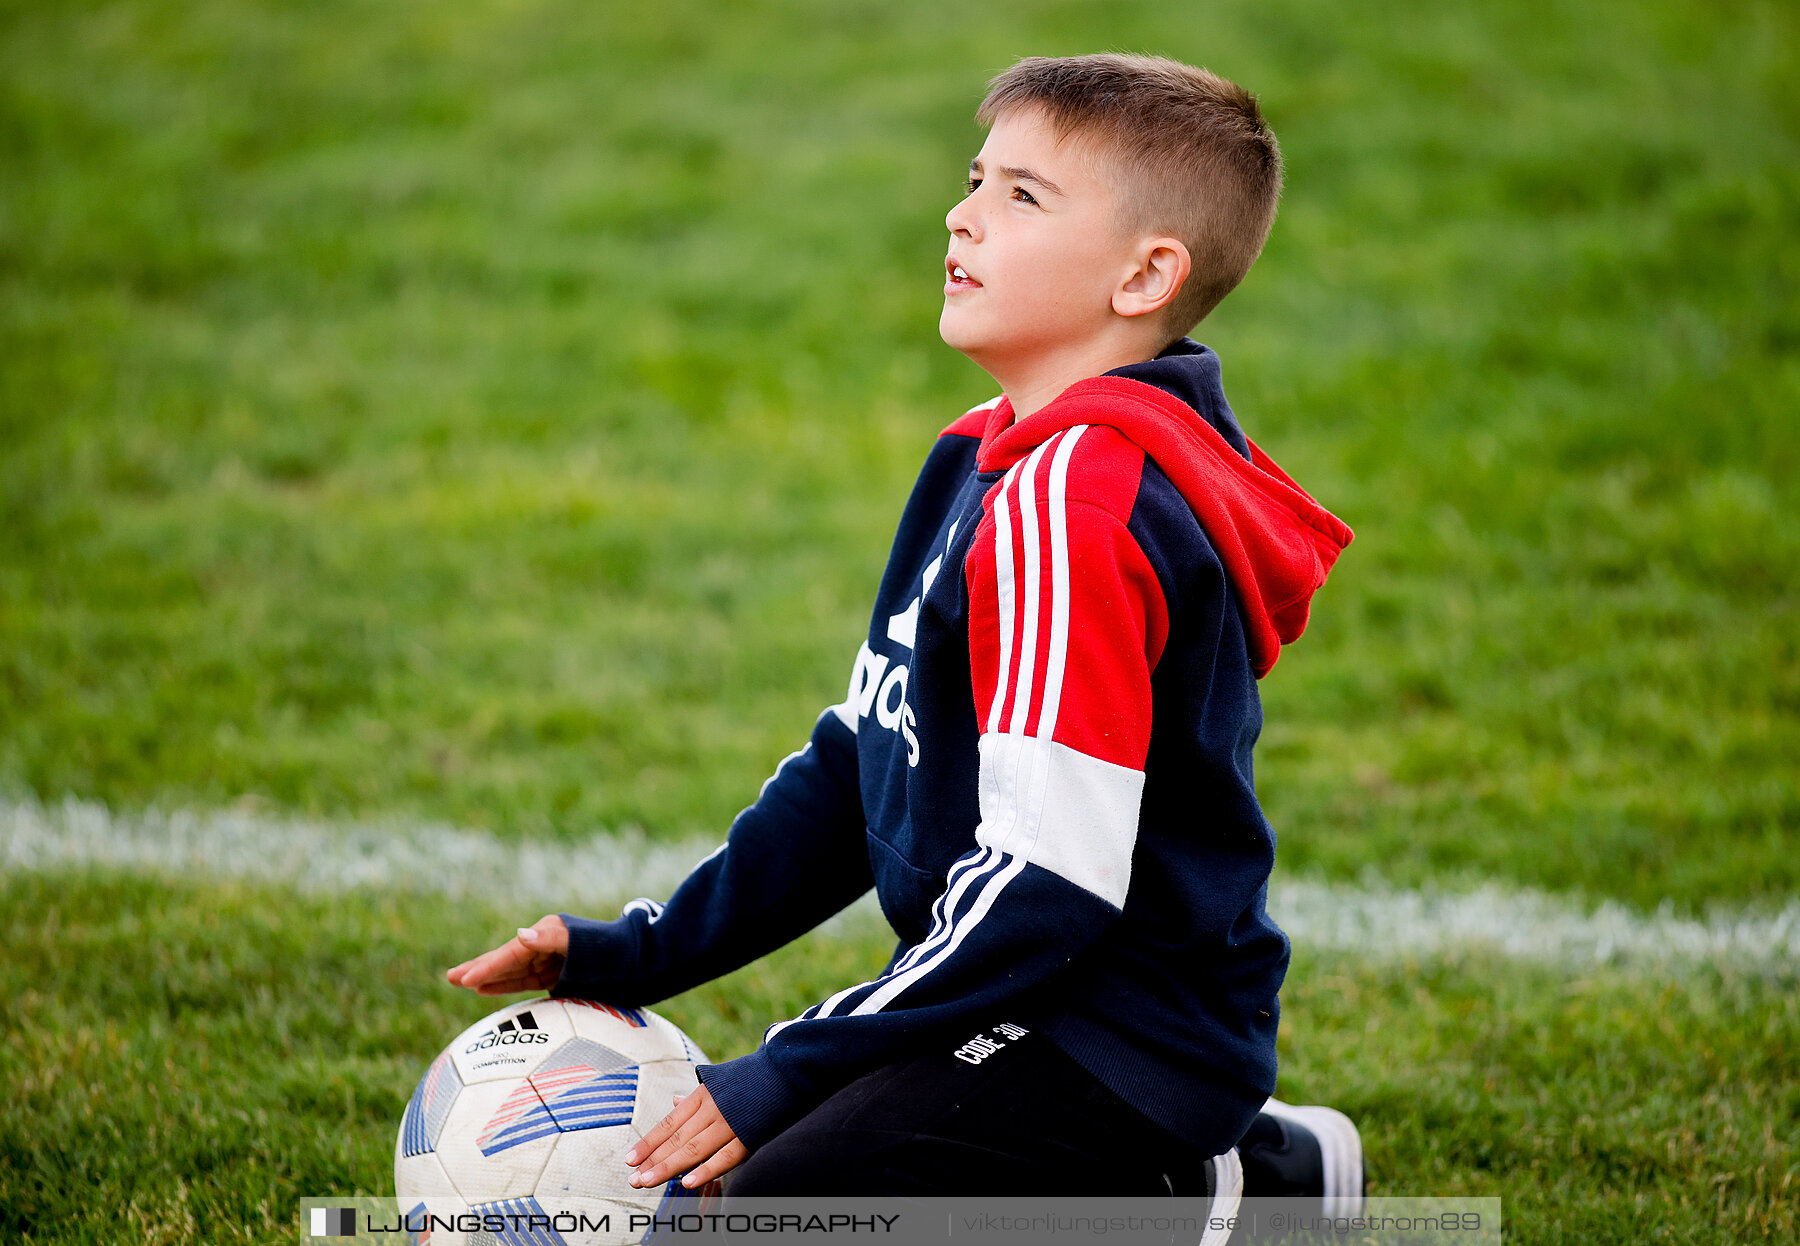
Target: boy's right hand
x=531 y=961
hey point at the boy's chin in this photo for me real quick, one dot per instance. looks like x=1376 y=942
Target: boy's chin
x=962 y=337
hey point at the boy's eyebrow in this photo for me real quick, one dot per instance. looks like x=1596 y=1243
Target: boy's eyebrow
x=1019 y=175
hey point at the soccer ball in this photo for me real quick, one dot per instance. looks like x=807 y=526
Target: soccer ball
x=518 y=1130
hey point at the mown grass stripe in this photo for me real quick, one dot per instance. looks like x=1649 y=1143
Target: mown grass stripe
x=1369 y=917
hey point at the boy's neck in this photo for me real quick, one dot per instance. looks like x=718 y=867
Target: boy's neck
x=1035 y=384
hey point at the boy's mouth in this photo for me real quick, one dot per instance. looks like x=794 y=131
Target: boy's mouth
x=959 y=278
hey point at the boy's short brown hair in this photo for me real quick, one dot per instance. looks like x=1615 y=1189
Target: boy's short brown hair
x=1196 y=157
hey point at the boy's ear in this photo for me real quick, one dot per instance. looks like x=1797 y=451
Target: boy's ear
x=1163 y=265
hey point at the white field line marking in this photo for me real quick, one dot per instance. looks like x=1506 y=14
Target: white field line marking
x=1528 y=925
x=596 y=874
x=329 y=857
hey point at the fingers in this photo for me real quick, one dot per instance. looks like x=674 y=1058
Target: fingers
x=509 y=957
x=659 y=1132
x=695 y=1136
x=685 y=1150
x=550 y=936
x=516 y=965
x=512 y=986
x=723 y=1161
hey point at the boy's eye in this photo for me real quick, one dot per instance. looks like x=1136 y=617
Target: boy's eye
x=1019 y=192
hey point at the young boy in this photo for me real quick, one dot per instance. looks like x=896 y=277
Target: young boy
x=1043 y=765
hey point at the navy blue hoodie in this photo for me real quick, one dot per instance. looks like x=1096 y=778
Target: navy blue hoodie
x=1042 y=765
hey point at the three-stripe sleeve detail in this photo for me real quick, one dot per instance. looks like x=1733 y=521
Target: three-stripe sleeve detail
x=1041 y=802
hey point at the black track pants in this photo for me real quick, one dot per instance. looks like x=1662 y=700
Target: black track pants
x=1025 y=1119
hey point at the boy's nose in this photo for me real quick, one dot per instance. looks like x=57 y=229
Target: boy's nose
x=960 y=220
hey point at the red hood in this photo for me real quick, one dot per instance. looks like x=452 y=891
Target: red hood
x=1277 y=544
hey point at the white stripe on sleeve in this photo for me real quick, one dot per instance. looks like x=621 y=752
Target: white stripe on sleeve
x=1003 y=594
x=1058 y=655
x=1030 y=590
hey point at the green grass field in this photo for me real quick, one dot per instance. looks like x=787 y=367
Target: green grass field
x=495 y=414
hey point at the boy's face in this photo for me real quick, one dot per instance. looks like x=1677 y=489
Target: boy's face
x=1036 y=251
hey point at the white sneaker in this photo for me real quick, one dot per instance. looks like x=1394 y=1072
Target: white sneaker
x=1318 y=1153
x=1225 y=1184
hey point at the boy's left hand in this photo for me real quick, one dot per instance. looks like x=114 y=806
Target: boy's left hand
x=695 y=1133
x=531 y=962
